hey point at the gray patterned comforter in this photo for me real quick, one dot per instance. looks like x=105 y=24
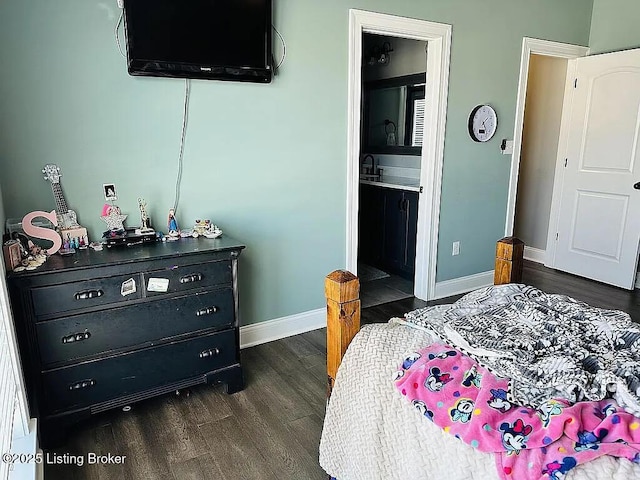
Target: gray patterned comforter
x=550 y=346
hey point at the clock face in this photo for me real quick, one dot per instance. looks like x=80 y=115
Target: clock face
x=483 y=123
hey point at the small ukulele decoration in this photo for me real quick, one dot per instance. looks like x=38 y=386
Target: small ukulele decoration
x=68 y=226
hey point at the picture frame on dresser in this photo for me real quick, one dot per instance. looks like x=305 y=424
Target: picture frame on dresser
x=104 y=329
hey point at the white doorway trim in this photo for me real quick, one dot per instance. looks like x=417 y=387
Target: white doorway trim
x=540 y=47
x=438 y=37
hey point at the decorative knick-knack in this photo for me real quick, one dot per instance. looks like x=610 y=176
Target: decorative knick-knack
x=172 y=225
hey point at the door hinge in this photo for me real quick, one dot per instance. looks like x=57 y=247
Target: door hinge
x=556 y=235
x=421 y=189
x=575 y=83
x=565 y=163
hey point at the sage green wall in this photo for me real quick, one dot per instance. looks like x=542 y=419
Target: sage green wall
x=614 y=25
x=266 y=162
x=2 y=215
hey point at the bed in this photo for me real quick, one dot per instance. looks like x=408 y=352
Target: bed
x=374 y=430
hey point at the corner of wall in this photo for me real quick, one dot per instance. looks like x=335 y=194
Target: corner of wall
x=613 y=26
x=2 y=215
x=593 y=9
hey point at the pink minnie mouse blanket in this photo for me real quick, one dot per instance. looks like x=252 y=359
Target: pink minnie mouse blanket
x=468 y=401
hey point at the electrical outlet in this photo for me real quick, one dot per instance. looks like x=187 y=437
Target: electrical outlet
x=456 y=249
x=506 y=147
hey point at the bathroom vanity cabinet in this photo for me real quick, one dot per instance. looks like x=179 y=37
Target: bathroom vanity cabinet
x=387 y=227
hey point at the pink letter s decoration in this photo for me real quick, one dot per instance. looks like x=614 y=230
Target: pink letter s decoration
x=40 y=232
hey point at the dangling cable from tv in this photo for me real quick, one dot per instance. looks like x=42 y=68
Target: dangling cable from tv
x=115 y=32
x=284 y=49
x=185 y=115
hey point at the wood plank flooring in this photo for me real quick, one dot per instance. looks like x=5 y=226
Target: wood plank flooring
x=385 y=290
x=271 y=429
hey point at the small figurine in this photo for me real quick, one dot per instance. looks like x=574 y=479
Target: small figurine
x=207 y=229
x=172 y=225
x=145 y=222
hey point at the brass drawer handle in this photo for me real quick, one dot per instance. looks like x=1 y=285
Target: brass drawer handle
x=88 y=294
x=90 y=382
x=194 y=277
x=209 y=353
x=76 y=337
x=206 y=311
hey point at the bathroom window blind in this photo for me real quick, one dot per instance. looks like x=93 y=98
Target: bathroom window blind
x=418 y=122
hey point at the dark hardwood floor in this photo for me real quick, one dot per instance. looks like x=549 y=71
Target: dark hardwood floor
x=537 y=275
x=271 y=429
x=593 y=293
x=385 y=290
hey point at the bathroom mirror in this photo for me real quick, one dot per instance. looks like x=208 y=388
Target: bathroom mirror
x=393 y=115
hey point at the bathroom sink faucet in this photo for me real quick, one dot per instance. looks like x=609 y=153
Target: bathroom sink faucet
x=373 y=163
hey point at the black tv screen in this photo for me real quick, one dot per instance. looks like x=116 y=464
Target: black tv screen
x=207 y=39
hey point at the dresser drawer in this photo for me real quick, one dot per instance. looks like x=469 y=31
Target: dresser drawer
x=78 y=295
x=71 y=338
x=187 y=277
x=101 y=380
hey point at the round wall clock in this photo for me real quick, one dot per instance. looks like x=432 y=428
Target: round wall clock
x=483 y=123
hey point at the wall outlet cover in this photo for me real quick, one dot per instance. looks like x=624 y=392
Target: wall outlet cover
x=506 y=147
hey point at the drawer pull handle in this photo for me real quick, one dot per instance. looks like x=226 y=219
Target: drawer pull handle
x=76 y=337
x=194 y=277
x=90 y=382
x=206 y=311
x=209 y=353
x=89 y=294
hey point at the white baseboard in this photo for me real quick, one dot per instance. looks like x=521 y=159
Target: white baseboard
x=278 y=328
x=534 y=254
x=463 y=284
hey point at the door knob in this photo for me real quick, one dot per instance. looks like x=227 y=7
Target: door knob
x=636 y=186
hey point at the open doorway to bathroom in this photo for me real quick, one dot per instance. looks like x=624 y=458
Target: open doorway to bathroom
x=438 y=38
x=392 y=123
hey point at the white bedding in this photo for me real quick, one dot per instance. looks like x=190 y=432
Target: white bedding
x=370 y=432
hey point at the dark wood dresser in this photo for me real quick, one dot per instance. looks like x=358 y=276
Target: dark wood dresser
x=100 y=330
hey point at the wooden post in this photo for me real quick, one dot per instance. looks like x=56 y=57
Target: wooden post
x=342 y=290
x=509 y=252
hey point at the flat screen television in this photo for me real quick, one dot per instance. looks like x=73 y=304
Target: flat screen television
x=205 y=39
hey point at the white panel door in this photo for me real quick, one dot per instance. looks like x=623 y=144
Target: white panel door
x=599 y=211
